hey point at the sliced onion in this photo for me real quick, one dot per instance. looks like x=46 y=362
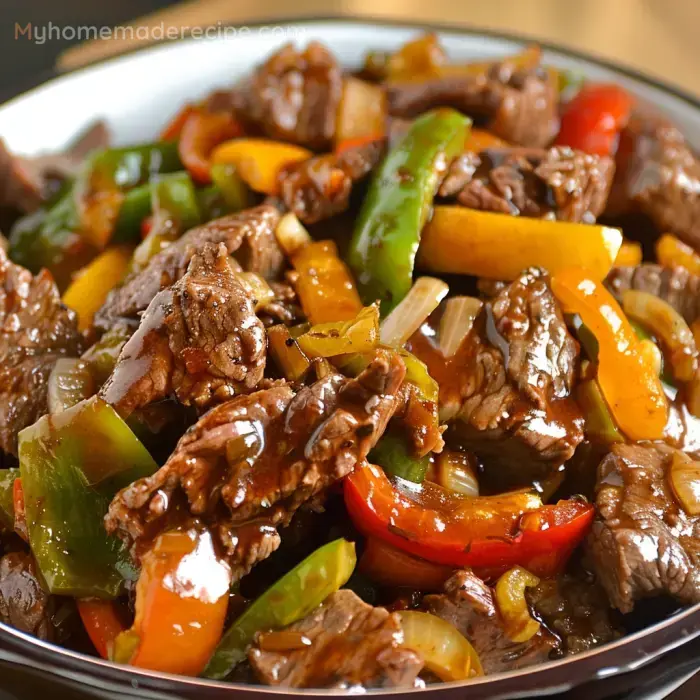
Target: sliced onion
x=510 y=598
x=423 y=298
x=456 y=322
x=668 y=326
x=685 y=481
x=70 y=382
x=456 y=472
x=291 y=235
x=259 y=289
x=446 y=652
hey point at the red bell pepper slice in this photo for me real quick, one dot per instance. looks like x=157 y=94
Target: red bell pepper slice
x=173 y=128
x=490 y=534
x=592 y=121
x=103 y=623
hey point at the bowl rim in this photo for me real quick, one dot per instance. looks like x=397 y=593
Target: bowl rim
x=668 y=634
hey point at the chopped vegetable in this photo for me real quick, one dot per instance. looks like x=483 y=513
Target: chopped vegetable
x=173 y=129
x=135 y=209
x=600 y=425
x=102 y=622
x=230 y=184
x=498 y=246
x=72 y=463
x=592 y=121
x=7 y=509
x=630 y=254
x=90 y=288
x=362 y=112
x=629 y=382
x=417 y=59
x=325 y=286
x=672 y=252
x=19 y=509
x=388 y=230
x=294 y=596
x=481 y=140
x=201 y=134
x=70 y=382
x=391 y=453
x=509 y=595
x=488 y=533
x=409 y=315
x=445 y=651
x=286 y=353
x=291 y=235
x=181 y=603
x=668 y=326
x=102 y=356
x=456 y=473
x=358 y=335
x=685 y=481
x=456 y=322
x=391 y=567
x=259 y=161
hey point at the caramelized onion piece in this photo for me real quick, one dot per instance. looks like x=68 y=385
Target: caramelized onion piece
x=456 y=322
x=685 y=482
x=455 y=472
x=291 y=235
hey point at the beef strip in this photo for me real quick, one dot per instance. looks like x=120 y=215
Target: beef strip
x=520 y=103
x=677 y=286
x=468 y=604
x=344 y=643
x=248 y=235
x=508 y=386
x=557 y=183
x=24 y=604
x=659 y=174
x=199 y=338
x=25 y=183
x=293 y=96
x=35 y=330
x=642 y=542
x=253 y=461
x=284 y=307
x=320 y=187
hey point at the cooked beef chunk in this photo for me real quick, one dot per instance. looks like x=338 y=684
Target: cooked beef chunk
x=659 y=174
x=24 y=604
x=263 y=455
x=557 y=183
x=248 y=235
x=575 y=610
x=35 y=330
x=320 y=187
x=642 y=542
x=468 y=604
x=519 y=103
x=293 y=96
x=509 y=385
x=284 y=306
x=26 y=182
x=199 y=338
x=677 y=286
x=344 y=643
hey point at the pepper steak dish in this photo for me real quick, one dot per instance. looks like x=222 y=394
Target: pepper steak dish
x=354 y=379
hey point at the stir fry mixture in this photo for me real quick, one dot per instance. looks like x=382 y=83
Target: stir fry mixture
x=354 y=379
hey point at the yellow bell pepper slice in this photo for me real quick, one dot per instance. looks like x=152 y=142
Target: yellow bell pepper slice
x=470 y=242
x=519 y=625
x=629 y=255
x=672 y=252
x=627 y=379
x=358 y=335
x=259 y=161
x=89 y=289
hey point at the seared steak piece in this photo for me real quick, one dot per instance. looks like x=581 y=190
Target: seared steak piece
x=576 y=610
x=659 y=174
x=677 y=286
x=557 y=183
x=320 y=187
x=468 y=604
x=293 y=96
x=643 y=543
x=24 y=604
x=249 y=236
x=252 y=461
x=508 y=387
x=519 y=103
x=199 y=338
x=35 y=330
x=344 y=643
x=284 y=307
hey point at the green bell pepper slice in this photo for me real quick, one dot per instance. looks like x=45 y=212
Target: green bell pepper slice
x=293 y=597
x=391 y=453
x=7 y=505
x=71 y=466
x=387 y=233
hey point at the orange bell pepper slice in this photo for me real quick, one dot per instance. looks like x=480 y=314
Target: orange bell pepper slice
x=181 y=603
x=629 y=255
x=672 y=252
x=627 y=379
x=102 y=622
x=481 y=140
x=259 y=161
x=201 y=133
x=90 y=288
